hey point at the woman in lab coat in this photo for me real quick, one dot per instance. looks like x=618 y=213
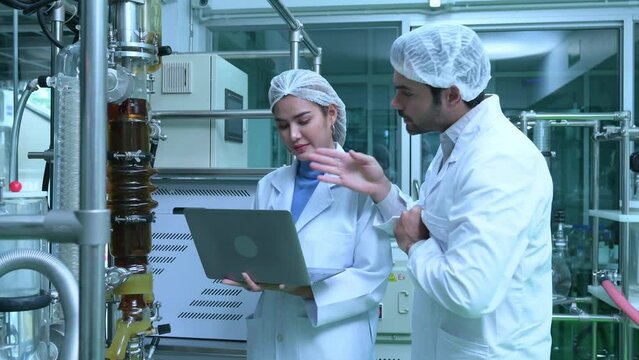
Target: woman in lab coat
x=336 y=318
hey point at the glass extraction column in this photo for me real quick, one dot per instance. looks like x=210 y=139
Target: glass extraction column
x=134 y=38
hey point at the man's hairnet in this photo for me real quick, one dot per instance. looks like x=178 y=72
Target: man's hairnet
x=311 y=86
x=441 y=56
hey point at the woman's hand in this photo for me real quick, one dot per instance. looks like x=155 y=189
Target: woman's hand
x=302 y=291
x=356 y=171
x=250 y=285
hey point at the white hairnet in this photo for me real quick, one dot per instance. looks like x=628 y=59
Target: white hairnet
x=311 y=86
x=441 y=56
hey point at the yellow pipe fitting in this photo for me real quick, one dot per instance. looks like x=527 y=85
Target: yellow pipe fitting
x=123 y=333
x=136 y=284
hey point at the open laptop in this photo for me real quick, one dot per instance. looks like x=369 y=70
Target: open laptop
x=262 y=243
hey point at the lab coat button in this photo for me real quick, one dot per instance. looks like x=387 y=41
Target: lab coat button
x=280 y=337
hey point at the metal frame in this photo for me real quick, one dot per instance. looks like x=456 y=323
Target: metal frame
x=93 y=232
x=297 y=34
x=622 y=133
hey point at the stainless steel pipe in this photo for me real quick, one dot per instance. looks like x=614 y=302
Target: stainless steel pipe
x=63 y=281
x=587 y=318
x=55 y=226
x=15 y=130
x=625 y=331
x=216 y=114
x=613 y=116
x=259 y=54
x=294 y=24
x=93 y=124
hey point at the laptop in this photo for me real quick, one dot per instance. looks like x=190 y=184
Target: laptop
x=262 y=243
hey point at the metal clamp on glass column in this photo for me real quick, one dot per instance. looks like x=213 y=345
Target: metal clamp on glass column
x=156 y=131
x=114 y=276
x=135 y=219
x=137 y=157
x=96 y=226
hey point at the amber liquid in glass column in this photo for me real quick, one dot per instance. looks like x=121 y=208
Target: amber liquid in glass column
x=129 y=187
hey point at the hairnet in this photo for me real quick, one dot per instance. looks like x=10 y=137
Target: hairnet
x=311 y=86
x=441 y=56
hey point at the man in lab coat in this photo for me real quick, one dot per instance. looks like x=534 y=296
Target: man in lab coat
x=478 y=240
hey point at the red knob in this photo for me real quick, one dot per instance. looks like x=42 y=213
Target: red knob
x=15 y=186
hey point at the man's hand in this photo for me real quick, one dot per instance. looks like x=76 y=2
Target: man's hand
x=410 y=229
x=356 y=171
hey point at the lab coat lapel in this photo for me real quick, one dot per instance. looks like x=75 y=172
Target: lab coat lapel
x=284 y=191
x=320 y=200
x=433 y=176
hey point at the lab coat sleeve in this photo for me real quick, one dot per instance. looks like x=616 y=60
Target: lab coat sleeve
x=392 y=205
x=389 y=209
x=361 y=286
x=488 y=223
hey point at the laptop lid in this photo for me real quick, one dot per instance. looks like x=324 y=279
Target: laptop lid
x=262 y=243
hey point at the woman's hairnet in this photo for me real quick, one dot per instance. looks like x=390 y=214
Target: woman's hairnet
x=441 y=56
x=311 y=86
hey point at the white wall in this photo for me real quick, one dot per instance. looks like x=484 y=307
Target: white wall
x=176 y=28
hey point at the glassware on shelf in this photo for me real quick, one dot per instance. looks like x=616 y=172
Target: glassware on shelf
x=561 y=276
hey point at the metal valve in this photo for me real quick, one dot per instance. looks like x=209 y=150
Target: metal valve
x=114 y=276
x=156 y=131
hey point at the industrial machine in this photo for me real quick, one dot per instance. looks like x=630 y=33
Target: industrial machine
x=201 y=82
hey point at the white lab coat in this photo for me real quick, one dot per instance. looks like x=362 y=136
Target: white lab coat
x=483 y=277
x=335 y=231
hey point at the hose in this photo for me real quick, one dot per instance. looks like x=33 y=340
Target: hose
x=153 y=151
x=15 y=4
x=35 y=6
x=624 y=305
x=24 y=303
x=42 y=21
x=15 y=131
x=62 y=280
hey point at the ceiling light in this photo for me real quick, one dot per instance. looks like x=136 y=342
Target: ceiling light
x=434 y=3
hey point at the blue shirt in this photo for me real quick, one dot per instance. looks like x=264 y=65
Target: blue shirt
x=305 y=183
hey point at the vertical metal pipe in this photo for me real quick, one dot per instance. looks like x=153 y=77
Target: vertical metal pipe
x=523 y=125
x=594 y=189
x=625 y=334
x=541 y=138
x=586 y=174
x=628 y=91
x=317 y=61
x=111 y=313
x=295 y=38
x=57 y=19
x=191 y=20
x=15 y=64
x=93 y=175
x=293 y=24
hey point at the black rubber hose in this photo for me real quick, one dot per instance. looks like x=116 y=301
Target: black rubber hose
x=15 y=4
x=24 y=303
x=36 y=6
x=45 y=29
x=154 y=149
x=46 y=177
